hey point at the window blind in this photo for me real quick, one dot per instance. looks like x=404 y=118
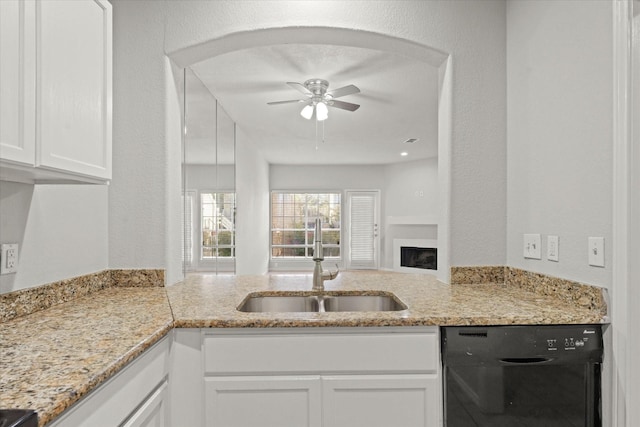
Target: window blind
x=362 y=217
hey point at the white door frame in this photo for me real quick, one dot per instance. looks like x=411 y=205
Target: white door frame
x=625 y=292
x=347 y=223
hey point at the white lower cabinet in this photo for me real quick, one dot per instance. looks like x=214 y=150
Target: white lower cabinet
x=381 y=401
x=282 y=401
x=329 y=401
x=153 y=411
x=329 y=377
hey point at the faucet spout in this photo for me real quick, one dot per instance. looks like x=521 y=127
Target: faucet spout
x=318 y=251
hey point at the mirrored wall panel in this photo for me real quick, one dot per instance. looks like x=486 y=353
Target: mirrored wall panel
x=209 y=192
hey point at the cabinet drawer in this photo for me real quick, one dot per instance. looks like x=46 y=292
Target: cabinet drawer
x=310 y=350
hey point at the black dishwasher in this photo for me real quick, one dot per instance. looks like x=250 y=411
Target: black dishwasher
x=18 y=418
x=522 y=376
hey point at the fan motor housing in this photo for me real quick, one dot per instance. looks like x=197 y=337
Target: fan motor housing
x=317 y=86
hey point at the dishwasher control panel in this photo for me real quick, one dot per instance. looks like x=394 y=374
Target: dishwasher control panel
x=548 y=343
x=556 y=339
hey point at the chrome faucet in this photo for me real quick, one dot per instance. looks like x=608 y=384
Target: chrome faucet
x=320 y=276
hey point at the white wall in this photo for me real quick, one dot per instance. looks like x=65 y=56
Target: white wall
x=411 y=190
x=559 y=86
x=625 y=292
x=61 y=229
x=326 y=177
x=632 y=374
x=252 y=227
x=138 y=221
x=174 y=124
x=473 y=32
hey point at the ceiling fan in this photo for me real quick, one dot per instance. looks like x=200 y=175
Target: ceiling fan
x=317 y=99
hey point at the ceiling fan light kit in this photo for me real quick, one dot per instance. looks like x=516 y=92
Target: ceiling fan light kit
x=322 y=111
x=318 y=100
x=307 y=112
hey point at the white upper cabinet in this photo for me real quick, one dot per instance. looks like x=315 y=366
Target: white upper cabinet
x=18 y=81
x=56 y=115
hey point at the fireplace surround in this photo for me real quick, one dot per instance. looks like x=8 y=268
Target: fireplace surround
x=415 y=256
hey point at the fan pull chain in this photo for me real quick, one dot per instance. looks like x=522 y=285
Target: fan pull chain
x=316 y=135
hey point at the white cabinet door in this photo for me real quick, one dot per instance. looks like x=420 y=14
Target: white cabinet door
x=17 y=81
x=291 y=401
x=381 y=401
x=152 y=412
x=74 y=86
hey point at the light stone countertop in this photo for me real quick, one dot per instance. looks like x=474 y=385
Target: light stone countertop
x=51 y=358
x=203 y=301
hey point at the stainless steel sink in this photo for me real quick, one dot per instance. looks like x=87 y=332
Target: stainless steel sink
x=314 y=303
x=279 y=304
x=363 y=303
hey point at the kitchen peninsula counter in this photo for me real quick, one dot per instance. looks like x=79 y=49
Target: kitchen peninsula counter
x=210 y=301
x=52 y=358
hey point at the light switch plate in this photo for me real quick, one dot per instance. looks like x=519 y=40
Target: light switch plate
x=596 y=251
x=8 y=258
x=531 y=248
x=553 y=250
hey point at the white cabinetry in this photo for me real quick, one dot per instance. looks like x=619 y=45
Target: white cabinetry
x=153 y=411
x=268 y=401
x=55 y=78
x=18 y=81
x=326 y=377
x=135 y=397
x=381 y=401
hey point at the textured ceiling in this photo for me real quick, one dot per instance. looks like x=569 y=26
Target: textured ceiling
x=398 y=101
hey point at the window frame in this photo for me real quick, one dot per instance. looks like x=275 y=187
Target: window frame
x=202 y=260
x=303 y=262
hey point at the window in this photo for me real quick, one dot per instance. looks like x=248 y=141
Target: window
x=218 y=225
x=293 y=217
x=188 y=201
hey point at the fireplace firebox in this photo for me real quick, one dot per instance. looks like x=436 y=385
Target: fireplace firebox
x=417 y=257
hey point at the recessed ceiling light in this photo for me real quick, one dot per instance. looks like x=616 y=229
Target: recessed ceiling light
x=404 y=153
x=411 y=140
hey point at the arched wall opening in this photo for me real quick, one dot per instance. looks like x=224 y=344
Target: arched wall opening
x=363 y=39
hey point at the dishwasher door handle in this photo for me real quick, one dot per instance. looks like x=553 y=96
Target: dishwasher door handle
x=525 y=360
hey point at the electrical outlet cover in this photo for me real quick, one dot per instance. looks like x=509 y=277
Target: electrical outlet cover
x=553 y=250
x=531 y=247
x=596 y=251
x=8 y=258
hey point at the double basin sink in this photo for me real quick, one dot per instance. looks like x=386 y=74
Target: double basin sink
x=300 y=302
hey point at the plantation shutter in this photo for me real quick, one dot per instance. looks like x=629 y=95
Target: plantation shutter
x=363 y=230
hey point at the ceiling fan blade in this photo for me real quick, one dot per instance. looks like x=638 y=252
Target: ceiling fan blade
x=291 y=101
x=344 y=105
x=301 y=88
x=343 y=91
